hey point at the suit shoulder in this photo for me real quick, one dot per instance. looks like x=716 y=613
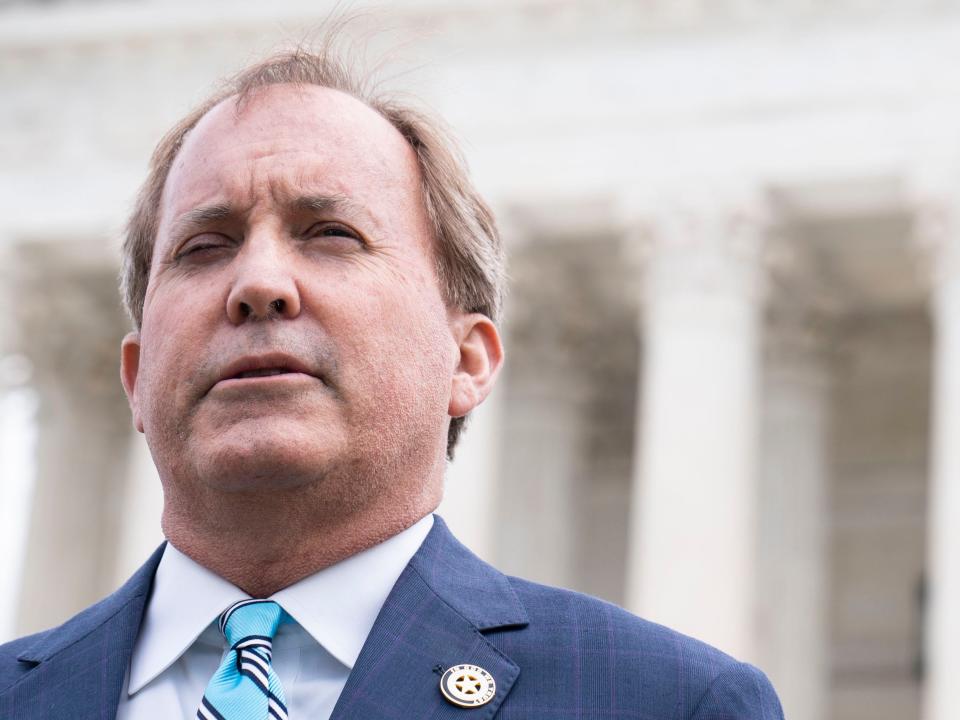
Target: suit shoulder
x=603 y=621
x=741 y=691
x=680 y=676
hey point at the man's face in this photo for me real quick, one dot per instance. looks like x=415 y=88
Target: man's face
x=293 y=325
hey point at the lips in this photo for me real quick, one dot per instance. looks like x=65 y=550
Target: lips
x=266 y=365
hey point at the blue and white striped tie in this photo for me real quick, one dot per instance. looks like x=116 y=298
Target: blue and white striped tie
x=245 y=687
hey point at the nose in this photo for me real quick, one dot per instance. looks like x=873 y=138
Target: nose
x=264 y=286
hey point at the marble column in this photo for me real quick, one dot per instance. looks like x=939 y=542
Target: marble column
x=471 y=493
x=17 y=435
x=72 y=324
x=938 y=233
x=542 y=455
x=794 y=481
x=692 y=561
x=139 y=531
x=542 y=400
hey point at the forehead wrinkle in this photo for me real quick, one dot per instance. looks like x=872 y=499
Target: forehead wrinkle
x=300 y=200
x=296 y=201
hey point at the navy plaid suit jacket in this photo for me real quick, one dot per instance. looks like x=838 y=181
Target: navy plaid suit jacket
x=553 y=653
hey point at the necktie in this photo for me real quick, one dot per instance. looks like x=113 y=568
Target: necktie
x=245 y=687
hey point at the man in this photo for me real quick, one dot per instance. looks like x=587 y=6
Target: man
x=315 y=287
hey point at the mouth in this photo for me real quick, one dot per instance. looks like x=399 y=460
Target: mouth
x=268 y=369
x=265 y=372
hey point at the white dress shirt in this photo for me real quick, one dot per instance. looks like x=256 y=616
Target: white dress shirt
x=179 y=646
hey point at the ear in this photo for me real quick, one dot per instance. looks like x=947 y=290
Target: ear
x=129 y=370
x=480 y=360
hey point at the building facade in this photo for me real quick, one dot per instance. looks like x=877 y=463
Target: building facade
x=733 y=331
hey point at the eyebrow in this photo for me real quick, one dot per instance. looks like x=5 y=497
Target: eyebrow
x=321 y=204
x=199 y=217
x=348 y=209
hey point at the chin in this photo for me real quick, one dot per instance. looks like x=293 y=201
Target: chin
x=242 y=462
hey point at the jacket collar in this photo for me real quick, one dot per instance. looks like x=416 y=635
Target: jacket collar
x=474 y=589
x=434 y=619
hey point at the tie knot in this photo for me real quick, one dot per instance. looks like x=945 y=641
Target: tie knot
x=251 y=619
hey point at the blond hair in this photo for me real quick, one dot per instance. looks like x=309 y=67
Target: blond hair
x=468 y=253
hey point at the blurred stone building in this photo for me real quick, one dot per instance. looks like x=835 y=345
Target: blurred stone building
x=733 y=335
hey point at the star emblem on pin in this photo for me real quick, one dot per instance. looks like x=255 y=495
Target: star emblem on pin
x=468 y=686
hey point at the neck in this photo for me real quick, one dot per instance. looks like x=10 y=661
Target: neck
x=260 y=560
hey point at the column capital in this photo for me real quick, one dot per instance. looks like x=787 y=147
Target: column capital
x=934 y=197
x=797 y=344
x=802 y=311
x=705 y=237
x=71 y=335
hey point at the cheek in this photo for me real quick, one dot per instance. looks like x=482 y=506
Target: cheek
x=162 y=351
x=157 y=381
x=403 y=347
x=184 y=311
x=172 y=340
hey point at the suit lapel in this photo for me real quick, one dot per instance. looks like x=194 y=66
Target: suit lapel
x=79 y=667
x=433 y=619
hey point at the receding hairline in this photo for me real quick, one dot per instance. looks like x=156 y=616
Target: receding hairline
x=244 y=101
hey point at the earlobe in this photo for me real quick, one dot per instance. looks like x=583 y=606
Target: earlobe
x=480 y=360
x=129 y=372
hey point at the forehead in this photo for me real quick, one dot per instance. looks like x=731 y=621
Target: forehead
x=288 y=139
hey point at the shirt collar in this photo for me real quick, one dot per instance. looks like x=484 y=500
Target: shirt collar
x=337 y=606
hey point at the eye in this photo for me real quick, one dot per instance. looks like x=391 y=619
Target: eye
x=206 y=243
x=333 y=230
